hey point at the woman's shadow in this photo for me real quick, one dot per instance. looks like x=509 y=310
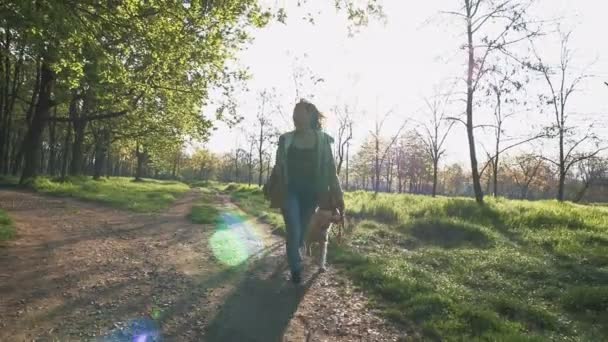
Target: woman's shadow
x=261 y=306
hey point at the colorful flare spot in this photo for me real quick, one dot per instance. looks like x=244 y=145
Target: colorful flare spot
x=139 y=330
x=235 y=240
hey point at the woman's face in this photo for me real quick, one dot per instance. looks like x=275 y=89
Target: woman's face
x=302 y=119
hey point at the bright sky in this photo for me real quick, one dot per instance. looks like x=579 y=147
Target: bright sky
x=396 y=65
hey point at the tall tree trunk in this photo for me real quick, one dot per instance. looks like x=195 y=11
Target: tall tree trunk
x=141 y=159
x=5 y=69
x=495 y=176
x=435 y=167
x=66 y=151
x=33 y=139
x=76 y=166
x=377 y=167
x=15 y=150
x=101 y=153
x=562 y=167
x=261 y=155
x=18 y=160
x=250 y=166
x=470 y=127
x=110 y=159
x=8 y=118
x=117 y=168
x=52 y=147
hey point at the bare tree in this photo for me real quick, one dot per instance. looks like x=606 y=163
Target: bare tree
x=526 y=169
x=251 y=141
x=380 y=156
x=436 y=131
x=590 y=170
x=559 y=91
x=304 y=80
x=504 y=20
x=266 y=131
x=502 y=88
x=345 y=133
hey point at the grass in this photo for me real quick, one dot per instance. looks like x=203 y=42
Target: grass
x=452 y=270
x=143 y=196
x=204 y=213
x=7 y=230
x=251 y=200
x=508 y=271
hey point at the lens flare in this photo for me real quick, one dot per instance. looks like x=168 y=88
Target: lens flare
x=137 y=330
x=236 y=239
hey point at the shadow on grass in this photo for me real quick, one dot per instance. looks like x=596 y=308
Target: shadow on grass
x=448 y=233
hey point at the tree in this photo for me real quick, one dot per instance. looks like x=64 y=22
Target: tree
x=304 y=80
x=251 y=141
x=417 y=164
x=524 y=171
x=496 y=22
x=591 y=170
x=454 y=180
x=380 y=154
x=345 y=134
x=266 y=131
x=559 y=92
x=435 y=132
x=109 y=60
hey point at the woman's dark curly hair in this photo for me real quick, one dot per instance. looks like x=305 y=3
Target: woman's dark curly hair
x=317 y=117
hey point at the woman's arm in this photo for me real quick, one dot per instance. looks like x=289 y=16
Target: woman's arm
x=334 y=181
x=275 y=169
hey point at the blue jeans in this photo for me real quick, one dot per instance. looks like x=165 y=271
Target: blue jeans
x=300 y=204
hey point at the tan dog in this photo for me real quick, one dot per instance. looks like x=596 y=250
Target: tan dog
x=320 y=224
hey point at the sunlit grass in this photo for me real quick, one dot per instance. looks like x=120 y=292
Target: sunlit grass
x=251 y=200
x=508 y=271
x=204 y=213
x=144 y=196
x=7 y=230
x=456 y=271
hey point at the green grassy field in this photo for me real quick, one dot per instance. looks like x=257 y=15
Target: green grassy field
x=145 y=196
x=455 y=271
x=7 y=230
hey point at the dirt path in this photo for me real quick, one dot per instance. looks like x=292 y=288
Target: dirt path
x=80 y=271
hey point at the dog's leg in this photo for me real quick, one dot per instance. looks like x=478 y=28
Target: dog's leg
x=322 y=266
x=323 y=260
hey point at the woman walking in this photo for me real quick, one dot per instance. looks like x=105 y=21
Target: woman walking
x=304 y=177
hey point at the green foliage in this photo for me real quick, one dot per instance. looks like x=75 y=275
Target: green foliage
x=508 y=270
x=7 y=230
x=144 y=196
